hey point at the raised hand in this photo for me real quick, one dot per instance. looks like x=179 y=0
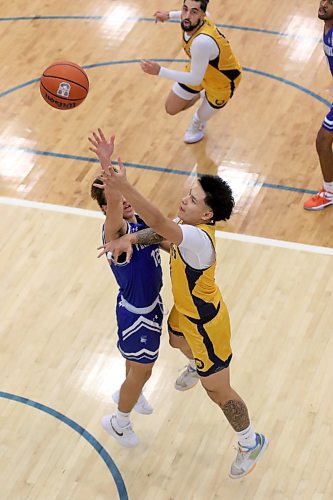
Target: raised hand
x=103 y=148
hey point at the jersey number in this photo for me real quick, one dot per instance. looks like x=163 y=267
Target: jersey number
x=156 y=256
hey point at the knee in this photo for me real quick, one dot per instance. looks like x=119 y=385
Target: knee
x=170 y=110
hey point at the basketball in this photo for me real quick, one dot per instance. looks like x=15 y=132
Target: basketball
x=64 y=85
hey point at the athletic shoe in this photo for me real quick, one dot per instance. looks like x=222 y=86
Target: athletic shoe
x=195 y=132
x=319 y=201
x=188 y=378
x=141 y=406
x=124 y=435
x=247 y=458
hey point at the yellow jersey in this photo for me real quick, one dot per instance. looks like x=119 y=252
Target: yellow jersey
x=195 y=291
x=224 y=72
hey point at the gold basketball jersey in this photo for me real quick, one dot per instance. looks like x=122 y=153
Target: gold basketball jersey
x=194 y=290
x=225 y=69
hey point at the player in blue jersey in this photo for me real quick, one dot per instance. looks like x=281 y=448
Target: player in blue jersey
x=324 y=142
x=139 y=308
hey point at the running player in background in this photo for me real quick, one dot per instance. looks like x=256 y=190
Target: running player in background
x=199 y=321
x=324 y=141
x=213 y=72
x=139 y=307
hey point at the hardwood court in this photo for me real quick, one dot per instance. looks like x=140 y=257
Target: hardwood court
x=57 y=300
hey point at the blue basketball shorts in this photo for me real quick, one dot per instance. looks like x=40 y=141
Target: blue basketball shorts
x=328 y=121
x=139 y=334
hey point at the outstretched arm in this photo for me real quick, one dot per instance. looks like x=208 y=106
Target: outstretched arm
x=150 y=214
x=114 y=225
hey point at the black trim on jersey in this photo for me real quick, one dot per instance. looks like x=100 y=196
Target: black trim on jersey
x=209 y=346
x=188 y=89
x=221 y=365
x=175 y=332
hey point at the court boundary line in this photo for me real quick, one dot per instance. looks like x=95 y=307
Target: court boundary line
x=152 y=19
x=244 y=238
x=118 y=480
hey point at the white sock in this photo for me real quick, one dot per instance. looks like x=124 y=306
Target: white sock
x=122 y=418
x=205 y=111
x=247 y=437
x=192 y=364
x=328 y=186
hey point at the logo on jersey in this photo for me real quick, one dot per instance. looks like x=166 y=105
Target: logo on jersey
x=219 y=103
x=64 y=89
x=199 y=364
x=143 y=339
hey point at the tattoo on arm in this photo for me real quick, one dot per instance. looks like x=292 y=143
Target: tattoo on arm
x=148 y=237
x=236 y=414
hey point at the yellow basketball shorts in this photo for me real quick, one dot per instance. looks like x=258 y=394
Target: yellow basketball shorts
x=209 y=342
x=217 y=96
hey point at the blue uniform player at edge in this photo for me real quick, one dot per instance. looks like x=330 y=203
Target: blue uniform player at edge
x=139 y=305
x=324 y=141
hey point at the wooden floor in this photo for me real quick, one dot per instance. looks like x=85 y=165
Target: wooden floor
x=58 y=360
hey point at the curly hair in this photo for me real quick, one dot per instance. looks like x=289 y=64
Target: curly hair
x=218 y=196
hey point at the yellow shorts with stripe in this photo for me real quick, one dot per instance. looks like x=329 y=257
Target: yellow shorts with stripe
x=217 y=97
x=209 y=341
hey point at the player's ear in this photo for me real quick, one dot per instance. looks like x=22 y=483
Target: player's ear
x=207 y=216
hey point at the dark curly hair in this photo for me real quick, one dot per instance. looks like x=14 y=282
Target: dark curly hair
x=218 y=196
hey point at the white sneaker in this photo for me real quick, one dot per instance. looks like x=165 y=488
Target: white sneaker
x=195 y=132
x=189 y=378
x=124 y=435
x=247 y=458
x=141 y=406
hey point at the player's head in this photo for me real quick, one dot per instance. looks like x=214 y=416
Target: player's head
x=325 y=12
x=99 y=195
x=193 y=13
x=209 y=200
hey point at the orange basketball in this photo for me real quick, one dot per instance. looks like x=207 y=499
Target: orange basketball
x=64 y=85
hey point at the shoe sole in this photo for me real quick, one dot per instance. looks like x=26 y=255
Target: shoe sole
x=318 y=208
x=194 y=142
x=183 y=389
x=262 y=451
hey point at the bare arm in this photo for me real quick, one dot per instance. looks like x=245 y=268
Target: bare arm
x=162 y=225
x=114 y=225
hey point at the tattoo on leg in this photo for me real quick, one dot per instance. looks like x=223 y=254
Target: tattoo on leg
x=236 y=414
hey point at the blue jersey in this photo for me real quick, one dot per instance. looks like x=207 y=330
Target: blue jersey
x=328 y=48
x=140 y=281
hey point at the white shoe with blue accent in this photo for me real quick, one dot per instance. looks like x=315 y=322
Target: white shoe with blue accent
x=247 y=458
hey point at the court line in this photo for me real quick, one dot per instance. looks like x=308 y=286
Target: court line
x=161 y=169
x=244 y=238
x=142 y=166
x=152 y=19
x=80 y=430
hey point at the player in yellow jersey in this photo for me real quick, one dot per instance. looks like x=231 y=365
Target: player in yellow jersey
x=213 y=72
x=199 y=321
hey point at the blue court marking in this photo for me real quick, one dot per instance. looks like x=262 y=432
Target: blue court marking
x=141 y=166
x=80 y=430
x=152 y=19
x=159 y=169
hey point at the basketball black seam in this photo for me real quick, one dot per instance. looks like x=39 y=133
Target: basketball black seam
x=67 y=80
x=59 y=96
